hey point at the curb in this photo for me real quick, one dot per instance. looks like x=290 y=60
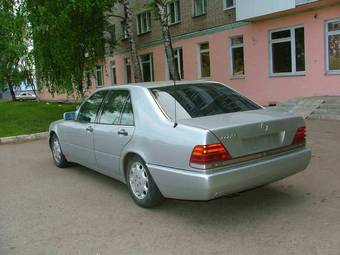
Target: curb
x=23 y=138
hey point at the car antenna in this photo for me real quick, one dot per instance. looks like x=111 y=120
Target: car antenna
x=175 y=124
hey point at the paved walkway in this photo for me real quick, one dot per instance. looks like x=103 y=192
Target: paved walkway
x=314 y=108
x=46 y=210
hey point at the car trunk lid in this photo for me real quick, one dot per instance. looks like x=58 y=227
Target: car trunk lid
x=250 y=132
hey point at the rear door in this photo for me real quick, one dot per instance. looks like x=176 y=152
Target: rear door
x=77 y=136
x=113 y=131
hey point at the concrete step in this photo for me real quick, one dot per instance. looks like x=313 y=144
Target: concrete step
x=333 y=100
x=323 y=107
x=327 y=105
x=299 y=106
x=302 y=101
x=289 y=105
x=280 y=109
x=307 y=106
x=293 y=100
x=332 y=111
x=324 y=117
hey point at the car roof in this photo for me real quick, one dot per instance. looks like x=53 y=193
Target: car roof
x=157 y=84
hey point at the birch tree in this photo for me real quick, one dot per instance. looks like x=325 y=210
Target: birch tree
x=161 y=11
x=128 y=18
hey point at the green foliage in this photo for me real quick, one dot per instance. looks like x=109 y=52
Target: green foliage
x=154 y=5
x=14 y=43
x=69 y=37
x=19 y=118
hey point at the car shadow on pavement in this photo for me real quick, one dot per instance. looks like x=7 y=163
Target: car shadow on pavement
x=274 y=200
x=267 y=201
x=97 y=178
x=256 y=205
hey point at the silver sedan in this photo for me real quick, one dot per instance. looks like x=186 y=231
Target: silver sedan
x=193 y=140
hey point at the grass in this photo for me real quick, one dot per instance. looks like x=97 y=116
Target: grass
x=28 y=117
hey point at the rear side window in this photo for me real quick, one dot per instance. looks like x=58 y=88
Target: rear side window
x=113 y=106
x=127 y=115
x=199 y=100
x=88 y=111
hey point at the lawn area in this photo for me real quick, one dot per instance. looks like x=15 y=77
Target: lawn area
x=18 y=118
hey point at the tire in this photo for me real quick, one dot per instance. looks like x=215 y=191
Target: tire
x=142 y=187
x=57 y=154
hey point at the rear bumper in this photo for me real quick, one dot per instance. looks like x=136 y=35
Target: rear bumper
x=182 y=184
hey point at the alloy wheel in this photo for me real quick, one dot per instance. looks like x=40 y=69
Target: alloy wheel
x=57 y=154
x=139 y=180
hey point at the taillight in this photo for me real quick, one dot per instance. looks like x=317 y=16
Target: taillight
x=209 y=156
x=300 y=136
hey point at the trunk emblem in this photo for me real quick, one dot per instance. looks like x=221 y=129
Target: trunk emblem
x=228 y=137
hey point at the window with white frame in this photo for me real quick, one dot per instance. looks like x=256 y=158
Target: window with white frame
x=144 y=22
x=125 y=34
x=204 y=60
x=113 y=74
x=174 y=12
x=228 y=4
x=128 y=73
x=237 y=56
x=178 y=54
x=287 y=51
x=99 y=76
x=200 y=7
x=146 y=64
x=333 y=46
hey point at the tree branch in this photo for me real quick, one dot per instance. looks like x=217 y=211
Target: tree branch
x=114 y=16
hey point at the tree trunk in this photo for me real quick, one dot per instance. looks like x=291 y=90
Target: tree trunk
x=35 y=92
x=12 y=92
x=169 y=51
x=135 y=64
x=30 y=81
x=79 y=83
x=80 y=88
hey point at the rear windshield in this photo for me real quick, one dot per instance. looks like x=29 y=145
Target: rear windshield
x=199 y=100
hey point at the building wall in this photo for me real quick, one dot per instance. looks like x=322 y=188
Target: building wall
x=263 y=88
x=257 y=83
x=216 y=16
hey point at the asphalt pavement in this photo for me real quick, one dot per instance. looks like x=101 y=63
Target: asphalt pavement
x=46 y=210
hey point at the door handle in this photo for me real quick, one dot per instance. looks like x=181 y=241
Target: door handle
x=89 y=129
x=122 y=132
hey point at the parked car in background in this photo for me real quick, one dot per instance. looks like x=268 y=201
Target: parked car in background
x=26 y=96
x=197 y=140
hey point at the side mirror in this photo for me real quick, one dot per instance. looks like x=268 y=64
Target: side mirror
x=69 y=116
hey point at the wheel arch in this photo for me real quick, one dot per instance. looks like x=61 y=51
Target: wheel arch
x=125 y=159
x=51 y=134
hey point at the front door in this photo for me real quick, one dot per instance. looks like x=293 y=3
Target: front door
x=77 y=136
x=113 y=131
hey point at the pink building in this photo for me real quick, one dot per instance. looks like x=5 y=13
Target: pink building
x=269 y=50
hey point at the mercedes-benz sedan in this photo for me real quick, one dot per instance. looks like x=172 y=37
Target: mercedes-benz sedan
x=194 y=140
